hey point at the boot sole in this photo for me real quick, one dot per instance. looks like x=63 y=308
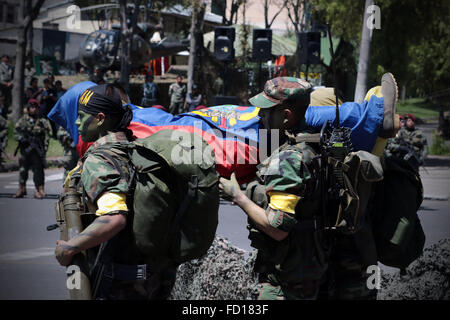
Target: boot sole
x=388 y=83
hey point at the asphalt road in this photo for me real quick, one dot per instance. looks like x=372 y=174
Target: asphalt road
x=28 y=269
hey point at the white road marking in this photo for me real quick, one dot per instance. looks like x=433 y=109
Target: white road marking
x=27 y=254
x=30 y=183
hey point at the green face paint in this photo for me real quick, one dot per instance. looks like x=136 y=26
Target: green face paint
x=87 y=127
x=272 y=118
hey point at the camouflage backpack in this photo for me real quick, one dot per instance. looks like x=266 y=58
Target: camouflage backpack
x=175 y=196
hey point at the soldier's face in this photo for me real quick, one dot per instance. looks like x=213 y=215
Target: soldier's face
x=32 y=110
x=272 y=118
x=409 y=123
x=87 y=126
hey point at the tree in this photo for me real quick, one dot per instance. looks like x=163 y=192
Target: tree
x=413 y=42
x=233 y=13
x=127 y=31
x=364 y=56
x=196 y=44
x=270 y=3
x=297 y=13
x=29 y=15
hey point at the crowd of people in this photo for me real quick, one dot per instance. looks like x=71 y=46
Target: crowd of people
x=180 y=99
x=33 y=130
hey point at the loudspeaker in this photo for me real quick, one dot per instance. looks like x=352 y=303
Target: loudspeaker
x=262 y=44
x=309 y=47
x=223 y=43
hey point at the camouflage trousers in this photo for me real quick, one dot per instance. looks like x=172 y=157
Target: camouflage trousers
x=35 y=162
x=158 y=287
x=345 y=279
x=176 y=107
x=306 y=290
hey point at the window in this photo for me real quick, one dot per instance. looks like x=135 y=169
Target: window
x=1 y=12
x=11 y=14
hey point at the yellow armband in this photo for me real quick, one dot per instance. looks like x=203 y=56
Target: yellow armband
x=69 y=175
x=283 y=201
x=110 y=202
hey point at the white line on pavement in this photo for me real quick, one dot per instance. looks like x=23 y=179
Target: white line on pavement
x=27 y=254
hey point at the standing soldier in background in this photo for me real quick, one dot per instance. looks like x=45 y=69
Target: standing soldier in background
x=6 y=78
x=177 y=93
x=410 y=144
x=150 y=92
x=3 y=136
x=70 y=153
x=33 y=134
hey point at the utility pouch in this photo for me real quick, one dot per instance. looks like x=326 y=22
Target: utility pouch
x=360 y=170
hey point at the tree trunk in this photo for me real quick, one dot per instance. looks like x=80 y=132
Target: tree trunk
x=126 y=38
x=19 y=75
x=364 y=57
x=196 y=44
x=18 y=82
x=125 y=45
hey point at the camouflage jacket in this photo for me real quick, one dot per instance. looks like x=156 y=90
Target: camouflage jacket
x=6 y=72
x=65 y=139
x=99 y=174
x=177 y=92
x=406 y=139
x=28 y=128
x=291 y=174
x=3 y=133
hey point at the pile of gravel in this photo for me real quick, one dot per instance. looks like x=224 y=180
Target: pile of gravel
x=224 y=273
x=427 y=278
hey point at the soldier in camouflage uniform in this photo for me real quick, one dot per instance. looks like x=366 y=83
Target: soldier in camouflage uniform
x=291 y=260
x=296 y=258
x=33 y=134
x=70 y=153
x=409 y=144
x=103 y=119
x=177 y=93
x=3 y=137
x=6 y=81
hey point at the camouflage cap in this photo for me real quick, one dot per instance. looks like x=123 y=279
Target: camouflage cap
x=280 y=89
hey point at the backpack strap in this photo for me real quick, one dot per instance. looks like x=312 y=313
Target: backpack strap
x=191 y=194
x=311 y=138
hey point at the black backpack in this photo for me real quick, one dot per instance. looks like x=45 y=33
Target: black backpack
x=397 y=230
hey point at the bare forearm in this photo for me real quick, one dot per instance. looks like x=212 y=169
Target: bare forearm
x=99 y=231
x=258 y=216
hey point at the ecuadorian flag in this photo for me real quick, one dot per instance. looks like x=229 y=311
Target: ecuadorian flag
x=231 y=131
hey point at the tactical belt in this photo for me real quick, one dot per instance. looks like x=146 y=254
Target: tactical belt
x=125 y=272
x=306 y=224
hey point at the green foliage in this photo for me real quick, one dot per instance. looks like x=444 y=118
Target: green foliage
x=438 y=147
x=413 y=42
x=419 y=107
x=344 y=16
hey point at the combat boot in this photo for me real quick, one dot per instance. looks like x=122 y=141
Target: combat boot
x=391 y=122
x=40 y=191
x=21 y=192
